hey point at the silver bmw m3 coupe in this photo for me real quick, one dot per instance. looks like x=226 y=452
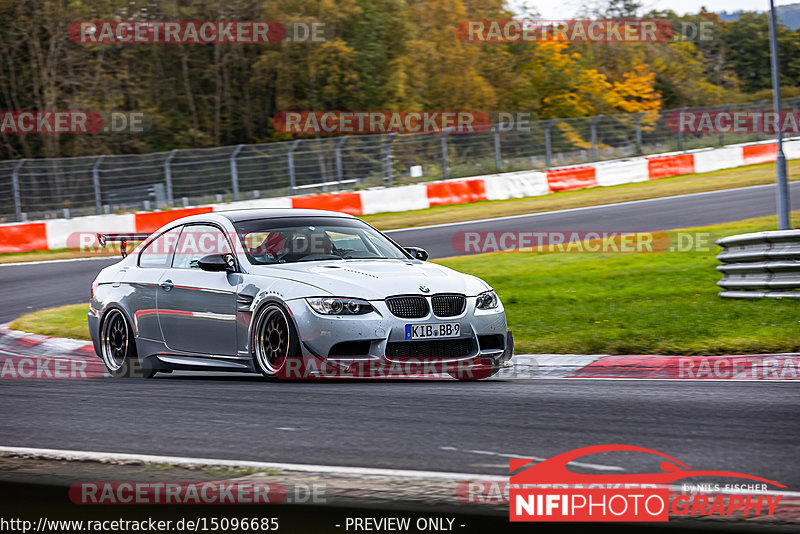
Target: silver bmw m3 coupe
x=291 y=294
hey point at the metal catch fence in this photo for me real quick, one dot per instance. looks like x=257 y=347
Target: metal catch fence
x=63 y=187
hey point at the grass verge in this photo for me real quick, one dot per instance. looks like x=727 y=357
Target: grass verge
x=623 y=303
x=634 y=303
x=58 y=254
x=676 y=185
x=65 y=321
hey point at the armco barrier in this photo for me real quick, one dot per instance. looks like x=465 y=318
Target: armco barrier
x=403 y=198
x=56 y=233
x=665 y=166
x=761 y=264
x=23 y=237
x=455 y=192
x=152 y=221
x=764 y=153
x=344 y=202
x=515 y=185
x=715 y=159
x=571 y=178
x=79 y=232
x=621 y=172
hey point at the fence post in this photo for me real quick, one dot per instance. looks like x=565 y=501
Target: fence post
x=680 y=132
x=794 y=104
x=235 y=172
x=445 y=166
x=168 y=175
x=722 y=132
x=639 y=149
x=387 y=162
x=497 y=158
x=290 y=161
x=339 y=168
x=15 y=186
x=547 y=143
x=98 y=208
x=593 y=128
x=761 y=103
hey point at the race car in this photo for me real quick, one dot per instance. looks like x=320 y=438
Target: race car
x=291 y=293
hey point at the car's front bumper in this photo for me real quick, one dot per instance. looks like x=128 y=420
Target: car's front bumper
x=483 y=341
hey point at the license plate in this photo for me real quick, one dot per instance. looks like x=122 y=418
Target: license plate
x=432 y=330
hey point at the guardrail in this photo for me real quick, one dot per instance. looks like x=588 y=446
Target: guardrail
x=760 y=264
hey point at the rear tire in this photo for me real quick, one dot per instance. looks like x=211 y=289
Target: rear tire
x=118 y=347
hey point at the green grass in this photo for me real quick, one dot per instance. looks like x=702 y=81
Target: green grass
x=624 y=303
x=66 y=321
x=57 y=254
x=646 y=303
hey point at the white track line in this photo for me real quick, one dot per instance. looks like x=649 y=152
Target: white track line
x=57 y=454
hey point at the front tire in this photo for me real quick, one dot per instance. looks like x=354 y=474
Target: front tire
x=275 y=344
x=118 y=348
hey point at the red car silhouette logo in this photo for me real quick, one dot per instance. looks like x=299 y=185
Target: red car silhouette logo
x=554 y=470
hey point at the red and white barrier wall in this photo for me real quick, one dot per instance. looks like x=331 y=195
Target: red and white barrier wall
x=59 y=233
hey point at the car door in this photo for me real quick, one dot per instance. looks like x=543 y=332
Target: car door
x=153 y=260
x=196 y=308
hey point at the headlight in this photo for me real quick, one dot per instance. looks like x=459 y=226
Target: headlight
x=339 y=306
x=487 y=301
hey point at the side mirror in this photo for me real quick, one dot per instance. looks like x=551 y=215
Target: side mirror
x=418 y=253
x=218 y=263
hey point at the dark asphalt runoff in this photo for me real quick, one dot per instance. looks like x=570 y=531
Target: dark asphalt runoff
x=34 y=286
x=29 y=287
x=748 y=427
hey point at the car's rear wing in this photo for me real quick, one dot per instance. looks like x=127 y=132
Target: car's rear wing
x=122 y=239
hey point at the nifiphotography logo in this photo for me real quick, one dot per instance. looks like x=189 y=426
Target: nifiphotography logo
x=549 y=491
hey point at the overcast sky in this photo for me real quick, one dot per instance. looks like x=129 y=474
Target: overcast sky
x=567 y=8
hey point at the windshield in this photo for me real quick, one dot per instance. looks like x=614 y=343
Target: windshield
x=299 y=239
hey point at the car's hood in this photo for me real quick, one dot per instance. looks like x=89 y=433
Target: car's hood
x=374 y=279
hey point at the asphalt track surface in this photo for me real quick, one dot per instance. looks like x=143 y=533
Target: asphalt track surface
x=440 y=425
x=750 y=427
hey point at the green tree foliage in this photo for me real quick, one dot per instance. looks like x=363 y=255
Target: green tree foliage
x=377 y=55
